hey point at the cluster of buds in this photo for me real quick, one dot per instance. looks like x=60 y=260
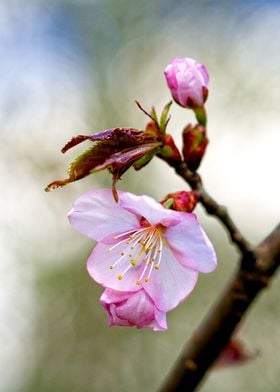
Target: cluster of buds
x=188 y=84
x=118 y=149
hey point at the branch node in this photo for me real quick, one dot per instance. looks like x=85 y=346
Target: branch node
x=191 y=365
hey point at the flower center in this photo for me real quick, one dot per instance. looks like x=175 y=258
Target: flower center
x=142 y=250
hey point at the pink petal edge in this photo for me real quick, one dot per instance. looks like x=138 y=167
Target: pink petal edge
x=190 y=244
x=97 y=215
x=150 y=209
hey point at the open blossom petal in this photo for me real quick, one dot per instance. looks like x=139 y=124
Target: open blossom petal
x=160 y=318
x=153 y=261
x=113 y=268
x=191 y=245
x=147 y=207
x=171 y=283
x=96 y=214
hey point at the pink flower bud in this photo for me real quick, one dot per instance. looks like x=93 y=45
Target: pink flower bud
x=188 y=81
x=132 y=309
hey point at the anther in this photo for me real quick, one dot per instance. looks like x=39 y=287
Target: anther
x=146 y=280
x=138 y=282
x=110 y=266
x=120 y=277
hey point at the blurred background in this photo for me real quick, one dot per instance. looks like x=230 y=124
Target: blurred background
x=76 y=66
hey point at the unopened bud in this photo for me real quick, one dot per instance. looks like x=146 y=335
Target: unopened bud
x=169 y=151
x=181 y=201
x=194 y=145
x=188 y=81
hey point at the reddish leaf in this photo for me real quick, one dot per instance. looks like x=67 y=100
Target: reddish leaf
x=115 y=149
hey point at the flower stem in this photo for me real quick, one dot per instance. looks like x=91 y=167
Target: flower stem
x=201 y=115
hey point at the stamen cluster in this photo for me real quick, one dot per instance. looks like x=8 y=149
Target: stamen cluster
x=143 y=251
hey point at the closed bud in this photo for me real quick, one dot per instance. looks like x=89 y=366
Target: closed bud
x=181 y=201
x=187 y=81
x=194 y=145
x=169 y=151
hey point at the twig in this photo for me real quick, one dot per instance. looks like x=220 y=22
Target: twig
x=212 y=207
x=216 y=330
x=254 y=272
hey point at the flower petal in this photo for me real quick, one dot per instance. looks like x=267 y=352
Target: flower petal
x=147 y=207
x=171 y=283
x=113 y=317
x=97 y=215
x=99 y=263
x=190 y=244
x=160 y=318
x=132 y=309
x=138 y=309
x=107 y=300
x=111 y=296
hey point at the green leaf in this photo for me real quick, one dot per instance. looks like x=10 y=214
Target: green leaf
x=164 y=119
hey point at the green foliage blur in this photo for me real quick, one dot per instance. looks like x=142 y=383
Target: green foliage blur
x=71 y=67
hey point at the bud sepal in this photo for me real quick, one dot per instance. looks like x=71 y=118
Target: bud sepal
x=182 y=201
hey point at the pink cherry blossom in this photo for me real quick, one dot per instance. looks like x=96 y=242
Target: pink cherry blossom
x=143 y=246
x=188 y=81
x=133 y=309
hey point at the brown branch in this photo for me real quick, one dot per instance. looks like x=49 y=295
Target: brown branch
x=216 y=330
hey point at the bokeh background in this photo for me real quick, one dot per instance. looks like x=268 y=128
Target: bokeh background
x=76 y=66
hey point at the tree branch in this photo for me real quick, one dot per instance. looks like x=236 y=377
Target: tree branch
x=216 y=330
x=212 y=207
